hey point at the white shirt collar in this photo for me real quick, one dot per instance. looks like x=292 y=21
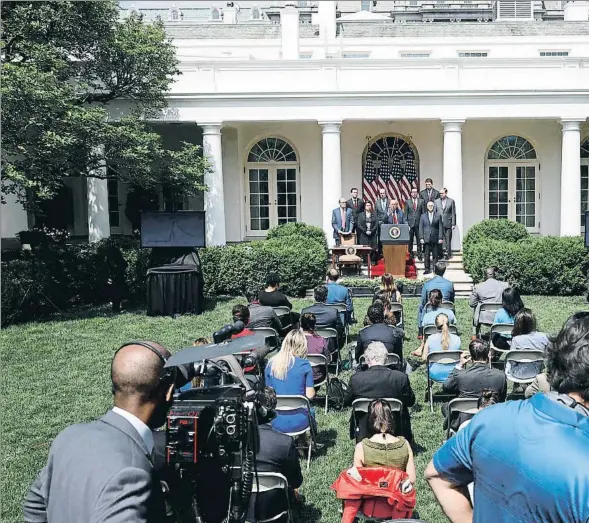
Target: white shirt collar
x=143 y=430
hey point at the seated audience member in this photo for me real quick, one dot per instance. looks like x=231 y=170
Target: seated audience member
x=437 y=282
x=278 y=453
x=540 y=384
x=378 y=381
x=511 y=305
x=198 y=342
x=440 y=341
x=315 y=344
x=470 y=382
x=260 y=315
x=337 y=293
x=526 y=337
x=241 y=313
x=391 y=337
x=381 y=448
x=290 y=374
x=487 y=398
x=489 y=291
x=434 y=307
x=325 y=316
x=271 y=296
x=390 y=317
x=387 y=285
x=534 y=450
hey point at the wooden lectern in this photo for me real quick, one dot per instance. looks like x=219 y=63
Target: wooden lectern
x=394 y=239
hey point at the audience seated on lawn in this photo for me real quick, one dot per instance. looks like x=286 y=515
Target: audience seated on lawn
x=511 y=305
x=337 y=293
x=441 y=341
x=387 y=286
x=325 y=316
x=540 y=384
x=260 y=315
x=242 y=313
x=290 y=374
x=487 y=398
x=435 y=298
x=390 y=317
x=381 y=448
x=271 y=296
x=278 y=453
x=470 y=382
x=315 y=344
x=489 y=291
x=526 y=337
x=437 y=282
x=379 y=381
x=378 y=330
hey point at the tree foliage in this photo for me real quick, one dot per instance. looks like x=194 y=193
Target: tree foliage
x=79 y=85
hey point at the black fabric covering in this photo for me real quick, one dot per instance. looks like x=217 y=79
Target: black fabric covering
x=176 y=288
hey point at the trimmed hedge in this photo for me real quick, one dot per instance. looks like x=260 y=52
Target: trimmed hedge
x=505 y=230
x=546 y=265
x=73 y=275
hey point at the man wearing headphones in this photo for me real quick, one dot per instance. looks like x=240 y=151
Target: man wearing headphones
x=103 y=470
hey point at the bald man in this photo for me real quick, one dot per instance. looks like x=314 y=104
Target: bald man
x=103 y=470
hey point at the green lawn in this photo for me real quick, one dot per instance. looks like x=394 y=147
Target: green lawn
x=56 y=373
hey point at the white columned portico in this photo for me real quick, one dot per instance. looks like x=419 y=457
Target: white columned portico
x=214 y=201
x=98 y=217
x=452 y=173
x=570 y=178
x=332 y=172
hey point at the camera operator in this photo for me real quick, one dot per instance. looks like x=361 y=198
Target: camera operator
x=278 y=453
x=103 y=471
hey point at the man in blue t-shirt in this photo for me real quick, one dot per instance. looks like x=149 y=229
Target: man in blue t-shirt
x=529 y=460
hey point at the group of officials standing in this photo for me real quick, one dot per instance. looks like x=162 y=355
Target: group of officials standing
x=430 y=215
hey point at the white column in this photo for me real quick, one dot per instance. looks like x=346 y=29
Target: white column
x=332 y=173
x=327 y=12
x=98 y=218
x=289 y=21
x=576 y=11
x=453 y=173
x=570 y=178
x=214 y=201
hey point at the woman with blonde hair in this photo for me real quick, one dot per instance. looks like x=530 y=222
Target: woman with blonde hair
x=441 y=341
x=387 y=284
x=290 y=374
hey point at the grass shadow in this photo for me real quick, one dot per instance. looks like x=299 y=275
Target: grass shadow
x=307 y=513
x=328 y=439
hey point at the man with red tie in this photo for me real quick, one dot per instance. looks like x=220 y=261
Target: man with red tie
x=356 y=205
x=341 y=221
x=414 y=208
x=395 y=214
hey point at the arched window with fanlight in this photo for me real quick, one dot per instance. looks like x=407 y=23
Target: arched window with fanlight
x=584 y=179
x=272 y=185
x=513 y=182
x=215 y=14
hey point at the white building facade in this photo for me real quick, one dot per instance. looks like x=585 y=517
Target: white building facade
x=297 y=104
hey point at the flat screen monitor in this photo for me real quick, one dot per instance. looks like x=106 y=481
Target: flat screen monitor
x=587 y=230
x=173 y=229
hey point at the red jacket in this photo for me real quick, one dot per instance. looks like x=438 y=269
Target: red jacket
x=378 y=495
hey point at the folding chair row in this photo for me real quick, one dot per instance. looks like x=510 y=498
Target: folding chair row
x=360 y=405
x=283 y=313
x=342 y=310
x=444 y=305
x=428 y=330
x=463 y=405
x=329 y=333
x=393 y=361
x=442 y=357
x=486 y=307
x=499 y=328
x=320 y=361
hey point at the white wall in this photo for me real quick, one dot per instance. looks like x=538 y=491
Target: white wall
x=13 y=217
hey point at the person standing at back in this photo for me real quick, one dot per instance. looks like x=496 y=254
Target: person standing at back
x=356 y=205
x=382 y=205
x=414 y=208
x=342 y=221
x=447 y=210
x=103 y=470
x=528 y=459
x=429 y=194
x=431 y=235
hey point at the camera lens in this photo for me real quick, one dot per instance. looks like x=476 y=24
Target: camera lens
x=231 y=430
x=230 y=418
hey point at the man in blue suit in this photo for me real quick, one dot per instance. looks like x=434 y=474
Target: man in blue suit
x=395 y=214
x=337 y=293
x=437 y=282
x=341 y=220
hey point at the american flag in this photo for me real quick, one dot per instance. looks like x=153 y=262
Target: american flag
x=394 y=160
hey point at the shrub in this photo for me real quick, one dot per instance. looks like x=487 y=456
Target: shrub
x=299 y=230
x=546 y=265
x=504 y=230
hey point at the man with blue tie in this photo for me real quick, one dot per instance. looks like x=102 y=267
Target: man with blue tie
x=341 y=221
x=395 y=214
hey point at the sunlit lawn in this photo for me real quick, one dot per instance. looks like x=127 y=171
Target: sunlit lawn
x=57 y=372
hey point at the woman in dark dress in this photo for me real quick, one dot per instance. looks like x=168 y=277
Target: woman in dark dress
x=367 y=228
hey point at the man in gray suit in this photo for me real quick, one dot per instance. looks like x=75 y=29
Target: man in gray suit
x=381 y=206
x=447 y=210
x=489 y=291
x=103 y=470
x=414 y=207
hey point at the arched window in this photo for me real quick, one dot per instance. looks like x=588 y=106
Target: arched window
x=272 y=150
x=272 y=183
x=255 y=13
x=215 y=14
x=174 y=13
x=512 y=148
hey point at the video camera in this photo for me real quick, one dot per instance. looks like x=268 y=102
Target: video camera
x=212 y=432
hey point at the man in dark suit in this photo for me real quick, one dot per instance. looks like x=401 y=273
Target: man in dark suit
x=381 y=206
x=395 y=214
x=446 y=208
x=260 y=315
x=278 y=453
x=103 y=470
x=379 y=381
x=431 y=235
x=414 y=207
x=325 y=316
x=429 y=194
x=391 y=337
x=342 y=221
x=469 y=383
x=356 y=205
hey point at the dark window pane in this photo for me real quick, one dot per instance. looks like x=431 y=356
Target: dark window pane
x=493 y=185
x=254 y=188
x=255 y=212
x=264 y=187
x=281 y=175
x=265 y=224
x=254 y=199
x=114 y=219
x=292 y=212
x=530 y=221
x=264 y=199
x=281 y=212
x=292 y=199
x=264 y=212
x=503 y=210
x=282 y=199
x=281 y=187
x=255 y=224
x=291 y=187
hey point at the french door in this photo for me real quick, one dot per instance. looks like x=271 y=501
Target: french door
x=117 y=199
x=272 y=197
x=513 y=192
